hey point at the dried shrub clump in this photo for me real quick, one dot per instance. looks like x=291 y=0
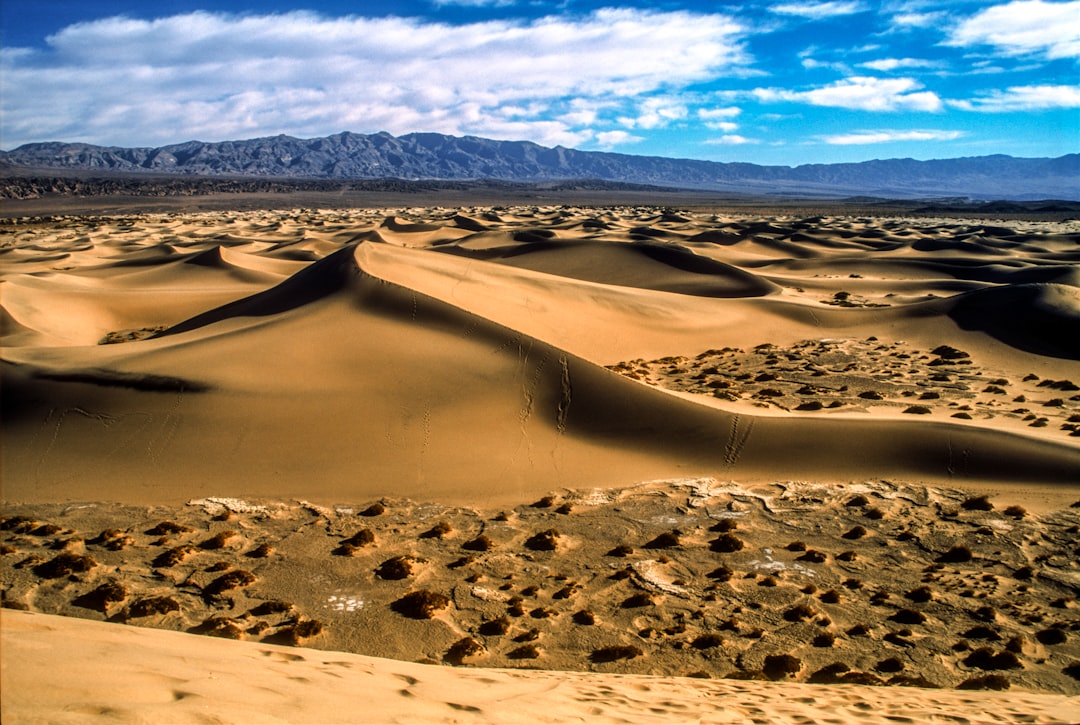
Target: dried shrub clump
x=830 y=596
x=829 y=674
x=666 y=540
x=495 y=627
x=543 y=541
x=721 y=574
x=295 y=634
x=524 y=652
x=64 y=564
x=480 y=543
x=615 y=653
x=777 y=667
x=892 y=664
x=172 y=557
x=955 y=555
x=99 y=599
x=622 y=550
x=908 y=616
x=422 y=604
x=152 y=605
x=1016 y=512
x=375 y=509
x=856 y=532
x=986 y=682
x=726 y=544
x=707 y=641
x=723 y=526
x=641 y=599
x=982 y=632
x=825 y=639
x=271 y=606
x=798 y=613
x=349 y=547
x=985 y=659
x=219 y=540
x=796 y=546
x=1051 y=636
x=169 y=527
x=977 y=503
x=465 y=647
x=260 y=552
x=813 y=556
x=584 y=618
x=399 y=567
x=920 y=594
x=232 y=580
x=225 y=627
x=438 y=531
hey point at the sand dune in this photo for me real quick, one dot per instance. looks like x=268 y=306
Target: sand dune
x=458 y=364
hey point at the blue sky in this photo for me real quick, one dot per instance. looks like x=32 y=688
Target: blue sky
x=779 y=82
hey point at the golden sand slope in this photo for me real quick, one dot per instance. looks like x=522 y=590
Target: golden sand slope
x=460 y=366
x=406 y=348
x=125 y=675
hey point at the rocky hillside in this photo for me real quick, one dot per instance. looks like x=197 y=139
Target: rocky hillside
x=436 y=156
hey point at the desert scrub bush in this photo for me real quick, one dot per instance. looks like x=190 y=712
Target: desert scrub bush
x=168 y=527
x=777 y=667
x=615 y=653
x=982 y=632
x=1016 y=512
x=172 y=557
x=824 y=640
x=721 y=574
x=232 y=580
x=375 y=509
x=664 y=541
x=796 y=546
x=271 y=606
x=986 y=682
x=480 y=543
x=438 y=531
x=830 y=596
x=1051 y=636
x=100 y=598
x=584 y=617
x=855 y=532
x=955 y=555
x=920 y=594
x=707 y=641
x=464 y=647
x=545 y=503
x=641 y=599
x=977 y=503
x=726 y=544
x=723 y=526
x=421 y=604
x=799 y=612
x=151 y=605
x=622 y=550
x=260 y=552
x=908 y=616
x=219 y=540
x=813 y=556
x=64 y=564
x=891 y=664
x=219 y=626
x=495 y=627
x=985 y=659
x=543 y=541
x=524 y=652
x=398 y=567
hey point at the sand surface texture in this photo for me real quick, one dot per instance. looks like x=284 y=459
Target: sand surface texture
x=836 y=455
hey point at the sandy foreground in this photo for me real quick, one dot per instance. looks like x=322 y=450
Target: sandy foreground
x=531 y=463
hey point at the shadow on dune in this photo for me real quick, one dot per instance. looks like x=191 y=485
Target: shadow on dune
x=1040 y=318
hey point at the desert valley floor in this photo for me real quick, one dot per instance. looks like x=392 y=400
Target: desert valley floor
x=791 y=468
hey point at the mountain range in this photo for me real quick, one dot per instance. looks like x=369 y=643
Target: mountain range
x=440 y=157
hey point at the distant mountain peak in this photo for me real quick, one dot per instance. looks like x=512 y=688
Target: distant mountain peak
x=426 y=155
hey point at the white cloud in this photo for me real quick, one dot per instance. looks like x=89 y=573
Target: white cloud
x=1023 y=98
x=607 y=139
x=890 y=64
x=818 y=10
x=911 y=20
x=1024 y=27
x=731 y=139
x=656 y=113
x=474 y=3
x=215 y=76
x=876 y=137
x=861 y=93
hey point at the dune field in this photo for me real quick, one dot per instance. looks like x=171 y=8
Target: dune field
x=540 y=463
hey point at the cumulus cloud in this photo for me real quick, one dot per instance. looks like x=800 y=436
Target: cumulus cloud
x=214 y=76
x=861 y=93
x=875 y=137
x=1023 y=98
x=1024 y=27
x=608 y=139
x=656 y=113
x=731 y=139
x=891 y=64
x=818 y=10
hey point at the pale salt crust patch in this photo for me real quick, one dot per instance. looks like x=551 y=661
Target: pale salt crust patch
x=344 y=603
